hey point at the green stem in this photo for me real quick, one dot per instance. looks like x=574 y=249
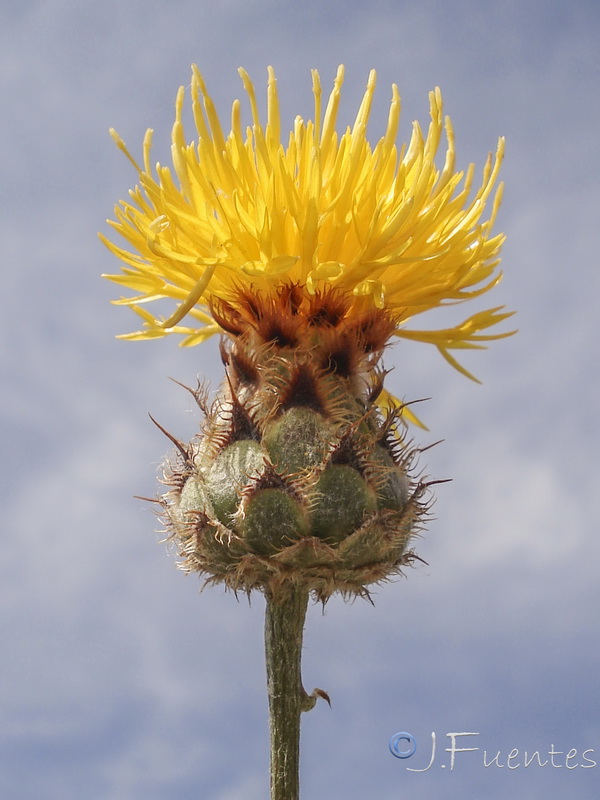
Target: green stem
x=284 y=626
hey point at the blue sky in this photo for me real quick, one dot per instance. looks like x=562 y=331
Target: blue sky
x=118 y=678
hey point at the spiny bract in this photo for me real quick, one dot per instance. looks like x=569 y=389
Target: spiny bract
x=297 y=475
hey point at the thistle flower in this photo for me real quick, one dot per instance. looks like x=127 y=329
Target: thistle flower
x=307 y=257
x=385 y=227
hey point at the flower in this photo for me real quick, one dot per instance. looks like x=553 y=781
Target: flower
x=245 y=212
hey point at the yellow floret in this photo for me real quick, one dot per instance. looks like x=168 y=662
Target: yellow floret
x=387 y=227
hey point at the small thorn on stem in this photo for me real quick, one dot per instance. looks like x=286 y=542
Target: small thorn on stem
x=179 y=445
x=427 y=484
x=308 y=701
x=198 y=394
x=428 y=446
x=147 y=499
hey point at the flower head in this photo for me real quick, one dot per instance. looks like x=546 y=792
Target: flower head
x=247 y=214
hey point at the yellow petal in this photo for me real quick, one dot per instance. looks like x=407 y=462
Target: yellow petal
x=243 y=210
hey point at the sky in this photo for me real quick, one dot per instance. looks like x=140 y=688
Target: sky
x=119 y=678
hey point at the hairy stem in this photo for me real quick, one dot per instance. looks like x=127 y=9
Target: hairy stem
x=284 y=625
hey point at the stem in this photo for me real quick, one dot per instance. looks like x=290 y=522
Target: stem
x=284 y=625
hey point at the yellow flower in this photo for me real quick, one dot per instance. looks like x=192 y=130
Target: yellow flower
x=383 y=226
